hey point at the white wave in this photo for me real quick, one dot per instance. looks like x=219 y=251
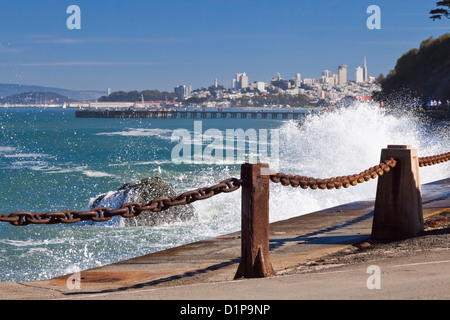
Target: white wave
x=28 y=155
x=35 y=165
x=83 y=169
x=4 y=149
x=32 y=242
x=140 y=163
x=55 y=170
x=340 y=142
x=46 y=168
x=96 y=174
x=140 y=132
x=346 y=141
x=111 y=199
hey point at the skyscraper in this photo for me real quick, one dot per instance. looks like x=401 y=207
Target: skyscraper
x=359 y=75
x=342 y=73
x=365 y=74
x=182 y=91
x=241 y=81
x=244 y=81
x=328 y=78
x=298 y=80
x=327 y=73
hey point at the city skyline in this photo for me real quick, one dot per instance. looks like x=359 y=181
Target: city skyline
x=329 y=88
x=241 y=80
x=160 y=45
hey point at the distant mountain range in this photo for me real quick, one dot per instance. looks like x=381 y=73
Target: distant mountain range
x=7 y=90
x=36 y=98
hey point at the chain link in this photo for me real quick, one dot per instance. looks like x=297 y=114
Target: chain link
x=335 y=182
x=428 y=161
x=127 y=210
x=132 y=209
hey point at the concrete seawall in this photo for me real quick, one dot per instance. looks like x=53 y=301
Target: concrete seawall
x=182 y=272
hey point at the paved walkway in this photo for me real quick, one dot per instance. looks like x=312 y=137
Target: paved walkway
x=205 y=269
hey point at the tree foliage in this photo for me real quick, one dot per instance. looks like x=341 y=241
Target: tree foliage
x=134 y=96
x=441 y=12
x=425 y=72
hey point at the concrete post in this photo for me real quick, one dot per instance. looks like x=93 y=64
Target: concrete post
x=255 y=261
x=398 y=206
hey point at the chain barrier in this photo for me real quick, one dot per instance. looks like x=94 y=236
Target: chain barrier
x=127 y=210
x=335 y=182
x=351 y=180
x=132 y=209
x=428 y=161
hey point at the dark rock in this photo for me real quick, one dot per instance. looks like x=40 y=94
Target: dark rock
x=143 y=192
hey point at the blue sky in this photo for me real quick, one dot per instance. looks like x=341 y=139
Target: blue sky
x=127 y=45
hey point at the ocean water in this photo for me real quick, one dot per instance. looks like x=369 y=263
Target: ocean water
x=51 y=161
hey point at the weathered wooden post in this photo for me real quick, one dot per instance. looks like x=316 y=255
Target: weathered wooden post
x=398 y=205
x=255 y=261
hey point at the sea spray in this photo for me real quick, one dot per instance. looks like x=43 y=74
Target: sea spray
x=347 y=141
x=339 y=142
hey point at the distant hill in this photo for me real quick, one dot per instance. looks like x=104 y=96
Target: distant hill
x=132 y=96
x=77 y=95
x=425 y=72
x=36 y=98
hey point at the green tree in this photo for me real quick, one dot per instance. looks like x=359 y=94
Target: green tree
x=134 y=96
x=424 y=72
x=441 y=12
x=380 y=78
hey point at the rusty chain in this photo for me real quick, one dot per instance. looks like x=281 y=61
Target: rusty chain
x=428 y=161
x=127 y=210
x=132 y=209
x=335 y=182
x=346 y=181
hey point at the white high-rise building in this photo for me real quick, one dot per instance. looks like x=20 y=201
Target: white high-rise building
x=359 y=75
x=298 y=80
x=241 y=81
x=342 y=73
x=244 y=81
x=328 y=78
x=261 y=86
x=327 y=73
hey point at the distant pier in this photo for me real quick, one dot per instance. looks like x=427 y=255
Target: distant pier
x=192 y=114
